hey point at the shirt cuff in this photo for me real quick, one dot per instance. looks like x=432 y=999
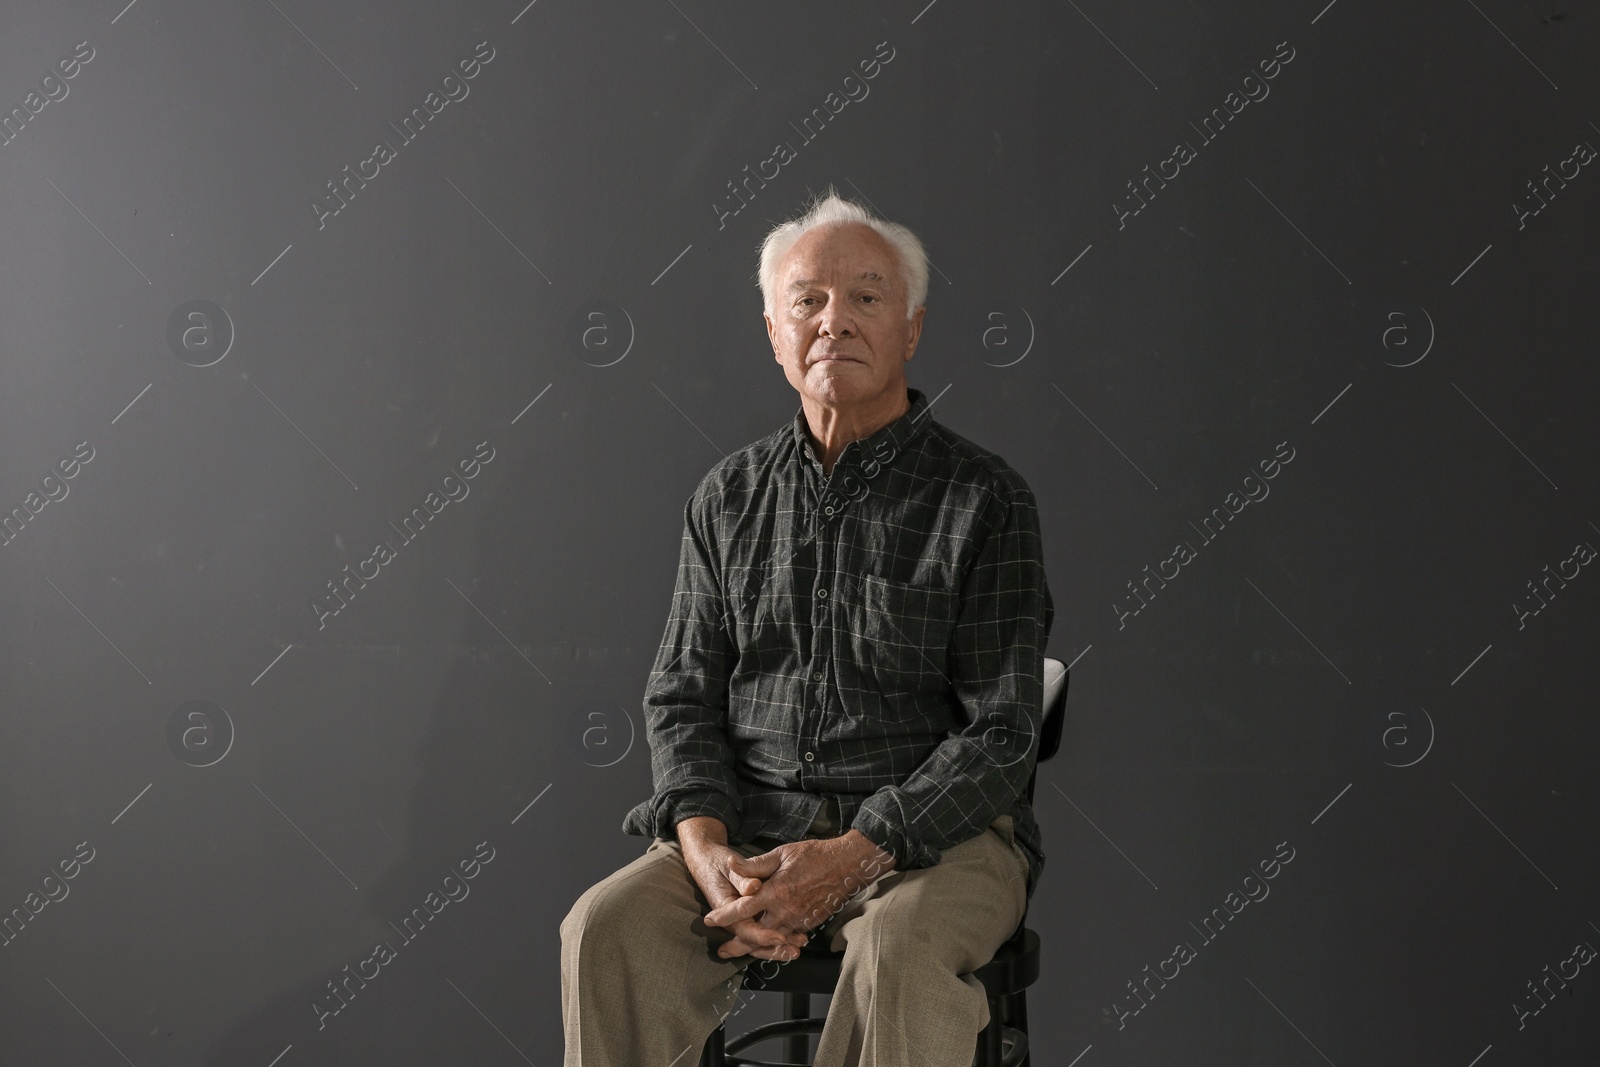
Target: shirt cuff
x=880 y=821
x=660 y=815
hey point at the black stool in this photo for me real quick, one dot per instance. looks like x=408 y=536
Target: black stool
x=1006 y=977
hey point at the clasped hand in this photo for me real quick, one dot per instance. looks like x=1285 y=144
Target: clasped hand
x=771 y=901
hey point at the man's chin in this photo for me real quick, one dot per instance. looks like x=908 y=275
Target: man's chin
x=840 y=380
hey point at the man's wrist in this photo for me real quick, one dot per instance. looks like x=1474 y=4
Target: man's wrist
x=868 y=859
x=701 y=830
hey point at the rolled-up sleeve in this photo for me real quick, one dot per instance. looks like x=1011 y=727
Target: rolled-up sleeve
x=996 y=671
x=686 y=698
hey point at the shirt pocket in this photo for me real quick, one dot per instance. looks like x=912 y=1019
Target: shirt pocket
x=904 y=633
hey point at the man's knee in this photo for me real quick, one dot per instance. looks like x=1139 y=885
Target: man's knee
x=900 y=929
x=626 y=908
x=598 y=916
x=576 y=919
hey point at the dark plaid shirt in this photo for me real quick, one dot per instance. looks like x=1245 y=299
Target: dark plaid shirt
x=876 y=635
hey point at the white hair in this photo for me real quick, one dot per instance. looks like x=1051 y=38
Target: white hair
x=829 y=209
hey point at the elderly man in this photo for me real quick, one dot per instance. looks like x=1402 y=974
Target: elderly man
x=845 y=708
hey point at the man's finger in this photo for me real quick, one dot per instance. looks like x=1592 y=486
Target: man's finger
x=735 y=911
x=783 y=950
x=765 y=942
x=760 y=935
x=762 y=865
x=770 y=952
x=733 y=948
x=765 y=933
x=740 y=947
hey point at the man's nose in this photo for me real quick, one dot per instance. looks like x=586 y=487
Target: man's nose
x=837 y=321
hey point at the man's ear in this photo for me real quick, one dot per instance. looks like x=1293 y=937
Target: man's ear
x=772 y=329
x=916 y=330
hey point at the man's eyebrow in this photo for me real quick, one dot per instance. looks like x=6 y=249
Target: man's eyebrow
x=866 y=275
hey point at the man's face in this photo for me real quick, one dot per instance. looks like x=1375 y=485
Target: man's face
x=838 y=323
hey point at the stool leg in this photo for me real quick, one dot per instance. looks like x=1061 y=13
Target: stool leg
x=712 y=1054
x=1019 y=1021
x=990 y=1048
x=797 y=1047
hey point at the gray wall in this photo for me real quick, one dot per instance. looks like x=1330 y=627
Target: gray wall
x=249 y=798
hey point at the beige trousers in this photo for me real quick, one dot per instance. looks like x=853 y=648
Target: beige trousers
x=642 y=986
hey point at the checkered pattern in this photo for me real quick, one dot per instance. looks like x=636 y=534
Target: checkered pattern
x=876 y=635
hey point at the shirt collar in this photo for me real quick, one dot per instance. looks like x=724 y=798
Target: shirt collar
x=898 y=434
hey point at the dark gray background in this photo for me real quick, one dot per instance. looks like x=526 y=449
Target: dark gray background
x=1359 y=618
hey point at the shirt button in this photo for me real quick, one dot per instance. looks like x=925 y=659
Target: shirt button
x=816 y=676
x=827 y=511
x=822 y=593
x=811 y=755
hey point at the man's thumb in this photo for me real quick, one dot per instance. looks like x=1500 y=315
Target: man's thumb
x=762 y=866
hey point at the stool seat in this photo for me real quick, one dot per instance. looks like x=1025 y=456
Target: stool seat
x=816 y=970
x=1005 y=978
